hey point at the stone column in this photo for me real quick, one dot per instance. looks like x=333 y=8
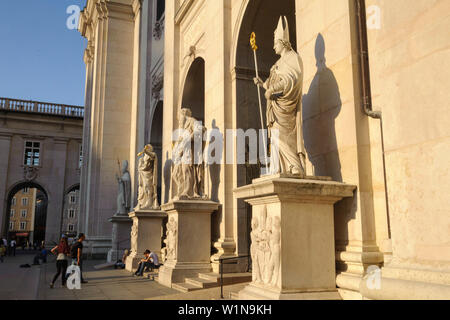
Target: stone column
x=146 y=233
x=120 y=236
x=110 y=26
x=5 y=146
x=188 y=240
x=293 y=250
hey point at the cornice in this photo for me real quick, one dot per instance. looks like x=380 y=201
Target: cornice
x=184 y=8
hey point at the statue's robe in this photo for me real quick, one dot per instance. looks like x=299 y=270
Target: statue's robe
x=284 y=112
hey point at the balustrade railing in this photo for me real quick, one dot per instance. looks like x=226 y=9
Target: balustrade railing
x=41 y=107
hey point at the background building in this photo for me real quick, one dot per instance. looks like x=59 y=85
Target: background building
x=21 y=217
x=41 y=151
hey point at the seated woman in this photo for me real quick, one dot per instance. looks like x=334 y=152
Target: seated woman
x=150 y=262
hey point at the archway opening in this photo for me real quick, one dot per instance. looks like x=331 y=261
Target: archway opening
x=261 y=17
x=26 y=214
x=156 y=141
x=194 y=90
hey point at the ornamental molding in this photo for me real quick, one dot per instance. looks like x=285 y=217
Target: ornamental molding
x=30 y=173
x=157 y=85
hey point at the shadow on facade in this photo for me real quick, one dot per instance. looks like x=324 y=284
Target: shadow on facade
x=321 y=106
x=167 y=177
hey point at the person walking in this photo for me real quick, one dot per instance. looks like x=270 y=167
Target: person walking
x=62 y=251
x=77 y=254
x=13 y=247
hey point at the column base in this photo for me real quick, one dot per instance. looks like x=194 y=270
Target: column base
x=146 y=234
x=176 y=272
x=256 y=292
x=120 y=237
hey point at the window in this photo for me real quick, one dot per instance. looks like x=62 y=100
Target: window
x=12 y=212
x=24 y=201
x=71 y=227
x=160 y=8
x=73 y=199
x=11 y=225
x=23 y=225
x=13 y=201
x=23 y=213
x=71 y=213
x=32 y=153
x=80 y=156
x=25 y=190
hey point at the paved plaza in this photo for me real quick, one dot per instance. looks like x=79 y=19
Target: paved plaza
x=107 y=284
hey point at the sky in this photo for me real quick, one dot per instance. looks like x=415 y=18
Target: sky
x=41 y=59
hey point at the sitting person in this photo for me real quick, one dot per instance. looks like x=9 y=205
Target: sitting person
x=150 y=262
x=122 y=263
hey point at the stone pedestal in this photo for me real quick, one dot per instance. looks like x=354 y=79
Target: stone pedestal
x=146 y=233
x=188 y=240
x=292 y=248
x=120 y=237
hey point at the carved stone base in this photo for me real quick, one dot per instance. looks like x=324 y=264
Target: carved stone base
x=120 y=237
x=255 y=292
x=189 y=251
x=293 y=253
x=146 y=233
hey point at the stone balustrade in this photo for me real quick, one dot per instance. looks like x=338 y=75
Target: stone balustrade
x=16 y=105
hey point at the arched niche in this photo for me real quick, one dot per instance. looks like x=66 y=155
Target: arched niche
x=156 y=140
x=261 y=17
x=194 y=90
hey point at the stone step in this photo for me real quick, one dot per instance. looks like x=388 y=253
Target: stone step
x=185 y=287
x=234 y=295
x=228 y=278
x=202 y=283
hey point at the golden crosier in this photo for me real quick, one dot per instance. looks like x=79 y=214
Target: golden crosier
x=253 y=41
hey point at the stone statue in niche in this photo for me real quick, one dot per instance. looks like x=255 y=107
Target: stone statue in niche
x=284 y=111
x=171 y=239
x=124 y=193
x=148 y=179
x=265 y=249
x=187 y=156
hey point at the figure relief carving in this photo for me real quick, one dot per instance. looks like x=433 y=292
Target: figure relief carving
x=265 y=249
x=171 y=239
x=148 y=179
x=188 y=175
x=284 y=110
x=124 y=192
x=134 y=236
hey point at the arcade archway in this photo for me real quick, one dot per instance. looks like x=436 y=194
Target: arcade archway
x=26 y=214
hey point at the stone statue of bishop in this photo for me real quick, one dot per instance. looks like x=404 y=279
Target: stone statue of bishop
x=124 y=193
x=284 y=110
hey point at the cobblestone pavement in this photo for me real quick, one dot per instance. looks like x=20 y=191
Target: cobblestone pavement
x=111 y=284
x=19 y=283
x=107 y=284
